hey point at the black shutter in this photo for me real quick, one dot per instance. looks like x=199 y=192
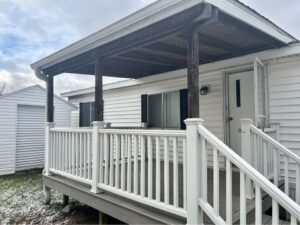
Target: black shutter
x=144 y=112
x=80 y=114
x=183 y=107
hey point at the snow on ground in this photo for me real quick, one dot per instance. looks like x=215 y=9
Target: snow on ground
x=21 y=201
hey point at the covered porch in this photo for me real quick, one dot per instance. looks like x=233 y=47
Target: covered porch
x=163 y=171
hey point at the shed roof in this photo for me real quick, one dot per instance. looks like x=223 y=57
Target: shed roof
x=32 y=87
x=154 y=39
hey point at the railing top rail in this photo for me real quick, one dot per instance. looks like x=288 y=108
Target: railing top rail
x=291 y=206
x=279 y=146
x=72 y=130
x=143 y=132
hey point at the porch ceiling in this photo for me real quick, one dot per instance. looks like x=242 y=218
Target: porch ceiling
x=162 y=46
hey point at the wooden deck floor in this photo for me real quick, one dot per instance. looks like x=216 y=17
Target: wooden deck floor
x=160 y=217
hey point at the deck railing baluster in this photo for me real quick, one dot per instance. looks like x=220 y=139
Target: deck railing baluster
x=143 y=168
x=129 y=155
x=258 y=205
x=135 y=165
x=110 y=165
x=123 y=163
x=158 y=170
x=216 y=177
x=228 y=191
x=150 y=167
x=175 y=172
x=166 y=170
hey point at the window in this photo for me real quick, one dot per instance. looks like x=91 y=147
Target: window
x=238 y=93
x=87 y=114
x=164 y=110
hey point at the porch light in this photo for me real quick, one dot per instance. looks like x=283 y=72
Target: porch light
x=204 y=90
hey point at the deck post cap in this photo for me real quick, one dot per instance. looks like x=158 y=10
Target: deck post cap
x=194 y=121
x=98 y=124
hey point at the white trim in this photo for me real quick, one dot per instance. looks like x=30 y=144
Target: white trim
x=38 y=86
x=222 y=66
x=245 y=14
x=151 y=14
x=155 y=13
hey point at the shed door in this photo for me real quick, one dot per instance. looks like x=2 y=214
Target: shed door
x=30 y=137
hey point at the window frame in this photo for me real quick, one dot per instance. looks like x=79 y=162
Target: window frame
x=164 y=110
x=90 y=113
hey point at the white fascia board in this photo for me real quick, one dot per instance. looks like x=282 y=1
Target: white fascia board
x=222 y=66
x=151 y=14
x=245 y=14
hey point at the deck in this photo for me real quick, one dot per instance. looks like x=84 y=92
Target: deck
x=160 y=176
x=132 y=212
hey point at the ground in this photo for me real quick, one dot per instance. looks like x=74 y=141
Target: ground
x=21 y=201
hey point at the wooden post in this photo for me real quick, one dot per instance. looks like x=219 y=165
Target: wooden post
x=98 y=92
x=193 y=74
x=50 y=106
x=65 y=200
x=193 y=173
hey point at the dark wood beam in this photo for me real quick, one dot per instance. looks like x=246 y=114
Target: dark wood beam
x=153 y=58
x=193 y=74
x=248 y=30
x=99 y=109
x=50 y=104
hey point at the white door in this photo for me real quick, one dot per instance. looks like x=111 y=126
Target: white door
x=30 y=142
x=241 y=105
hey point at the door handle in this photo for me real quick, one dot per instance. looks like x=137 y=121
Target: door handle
x=230 y=119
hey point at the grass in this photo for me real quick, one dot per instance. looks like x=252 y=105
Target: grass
x=22 y=202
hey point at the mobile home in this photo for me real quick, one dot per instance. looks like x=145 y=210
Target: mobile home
x=205 y=130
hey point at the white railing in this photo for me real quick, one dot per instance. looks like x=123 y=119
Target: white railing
x=147 y=166
x=197 y=144
x=150 y=167
x=70 y=153
x=272 y=159
x=141 y=164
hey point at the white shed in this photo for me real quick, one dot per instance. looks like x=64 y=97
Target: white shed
x=22 y=122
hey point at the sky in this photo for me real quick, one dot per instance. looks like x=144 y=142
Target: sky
x=33 y=29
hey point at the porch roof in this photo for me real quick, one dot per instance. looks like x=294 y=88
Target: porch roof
x=154 y=39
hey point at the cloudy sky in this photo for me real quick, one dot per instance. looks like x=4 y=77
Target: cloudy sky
x=33 y=29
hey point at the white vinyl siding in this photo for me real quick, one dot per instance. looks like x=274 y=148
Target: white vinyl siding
x=284 y=88
x=122 y=106
x=32 y=96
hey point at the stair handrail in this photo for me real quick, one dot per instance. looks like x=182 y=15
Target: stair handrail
x=276 y=144
x=199 y=142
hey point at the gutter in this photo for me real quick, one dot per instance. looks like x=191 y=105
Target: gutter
x=39 y=74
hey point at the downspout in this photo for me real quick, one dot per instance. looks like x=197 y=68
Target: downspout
x=39 y=74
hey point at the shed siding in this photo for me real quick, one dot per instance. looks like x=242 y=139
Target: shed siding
x=284 y=83
x=34 y=96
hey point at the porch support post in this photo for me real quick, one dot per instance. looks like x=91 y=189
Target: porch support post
x=247 y=152
x=50 y=106
x=193 y=73
x=98 y=91
x=49 y=122
x=193 y=173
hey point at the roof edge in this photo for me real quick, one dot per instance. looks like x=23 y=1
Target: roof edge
x=291 y=50
x=38 y=86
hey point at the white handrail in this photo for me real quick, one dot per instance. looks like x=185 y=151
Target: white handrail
x=247 y=170
x=169 y=133
x=276 y=144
